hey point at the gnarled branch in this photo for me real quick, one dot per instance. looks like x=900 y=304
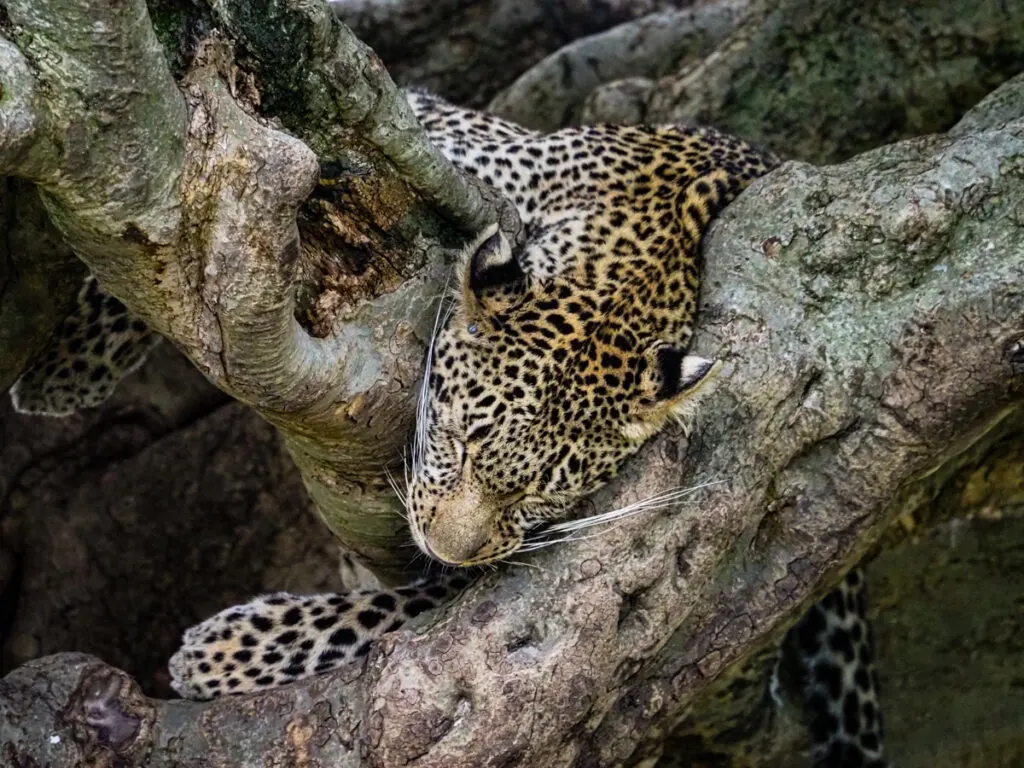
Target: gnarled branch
x=197 y=230
x=552 y=93
x=823 y=81
x=464 y=49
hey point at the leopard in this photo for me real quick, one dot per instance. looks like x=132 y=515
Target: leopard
x=558 y=359
x=97 y=345
x=828 y=657
x=559 y=352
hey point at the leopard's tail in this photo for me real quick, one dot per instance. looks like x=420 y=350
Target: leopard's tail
x=279 y=638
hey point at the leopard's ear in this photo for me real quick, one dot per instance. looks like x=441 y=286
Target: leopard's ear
x=669 y=382
x=672 y=375
x=493 y=279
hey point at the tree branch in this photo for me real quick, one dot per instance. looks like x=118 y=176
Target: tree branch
x=114 y=125
x=462 y=49
x=872 y=325
x=807 y=79
x=343 y=89
x=795 y=75
x=551 y=94
x=197 y=230
x=247 y=251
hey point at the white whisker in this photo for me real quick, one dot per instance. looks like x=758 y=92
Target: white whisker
x=395 y=487
x=659 y=501
x=444 y=311
x=542 y=544
x=518 y=564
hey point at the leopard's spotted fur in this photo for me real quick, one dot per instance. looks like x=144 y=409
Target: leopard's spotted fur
x=279 y=638
x=561 y=356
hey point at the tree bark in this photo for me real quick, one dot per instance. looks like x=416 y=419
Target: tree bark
x=818 y=81
x=943 y=597
x=552 y=93
x=872 y=325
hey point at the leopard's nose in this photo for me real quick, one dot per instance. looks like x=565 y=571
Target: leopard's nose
x=461 y=525
x=454 y=550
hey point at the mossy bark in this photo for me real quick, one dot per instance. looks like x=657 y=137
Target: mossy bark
x=819 y=81
x=822 y=81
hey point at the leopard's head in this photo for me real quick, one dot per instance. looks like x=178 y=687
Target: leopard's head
x=536 y=392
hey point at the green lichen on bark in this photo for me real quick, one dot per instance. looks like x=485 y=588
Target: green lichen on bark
x=822 y=81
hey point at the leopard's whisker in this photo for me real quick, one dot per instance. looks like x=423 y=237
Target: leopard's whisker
x=445 y=308
x=402 y=497
x=658 y=501
x=518 y=564
x=534 y=546
x=541 y=544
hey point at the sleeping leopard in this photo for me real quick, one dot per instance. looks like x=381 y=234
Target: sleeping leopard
x=557 y=357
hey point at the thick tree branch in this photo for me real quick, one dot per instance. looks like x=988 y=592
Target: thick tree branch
x=197 y=229
x=818 y=81
x=942 y=609
x=551 y=94
x=871 y=321
x=114 y=125
x=247 y=251
x=467 y=50
x=823 y=81
x=344 y=91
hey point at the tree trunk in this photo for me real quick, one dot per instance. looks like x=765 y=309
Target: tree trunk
x=869 y=314
x=821 y=81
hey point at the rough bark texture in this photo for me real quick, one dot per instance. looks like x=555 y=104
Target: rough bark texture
x=943 y=598
x=822 y=81
x=870 y=316
x=551 y=94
